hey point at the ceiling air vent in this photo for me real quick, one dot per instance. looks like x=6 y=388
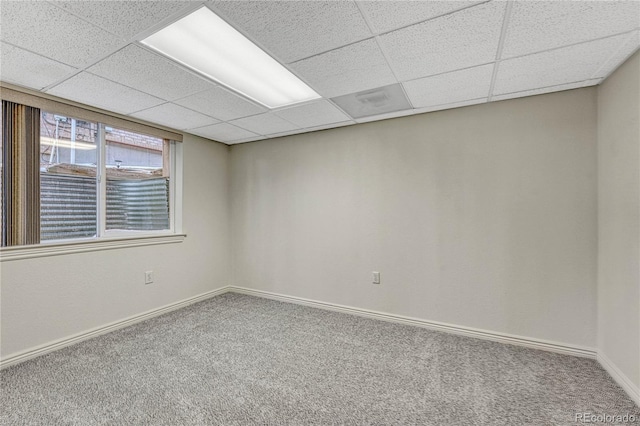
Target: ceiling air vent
x=374 y=102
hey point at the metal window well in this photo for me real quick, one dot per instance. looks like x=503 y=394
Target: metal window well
x=68 y=205
x=138 y=204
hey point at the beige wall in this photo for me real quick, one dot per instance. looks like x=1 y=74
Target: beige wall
x=619 y=219
x=483 y=216
x=51 y=298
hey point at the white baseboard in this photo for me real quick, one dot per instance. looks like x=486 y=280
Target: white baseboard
x=76 y=338
x=433 y=325
x=607 y=364
x=621 y=379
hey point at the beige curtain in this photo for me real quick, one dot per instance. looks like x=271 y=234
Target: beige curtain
x=20 y=174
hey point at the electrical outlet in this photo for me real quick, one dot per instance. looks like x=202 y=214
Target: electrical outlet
x=148 y=277
x=376 y=277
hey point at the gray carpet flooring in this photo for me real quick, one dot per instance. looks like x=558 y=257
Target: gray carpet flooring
x=241 y=360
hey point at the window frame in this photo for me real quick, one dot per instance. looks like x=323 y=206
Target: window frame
x=101 y=173
x=110 y=239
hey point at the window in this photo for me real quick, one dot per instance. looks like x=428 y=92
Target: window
x=67 y=179
x=75 y=202
x=68 y=184
x=138 y=170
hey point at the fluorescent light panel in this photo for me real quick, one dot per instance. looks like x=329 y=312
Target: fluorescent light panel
x=205 y=43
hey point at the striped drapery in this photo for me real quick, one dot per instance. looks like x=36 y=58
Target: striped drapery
x=20 y=174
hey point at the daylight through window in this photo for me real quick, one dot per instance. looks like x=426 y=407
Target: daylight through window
x=133 y=196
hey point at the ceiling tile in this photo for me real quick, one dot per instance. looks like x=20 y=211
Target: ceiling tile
x=289 y=133
x=175 y=116
x=423 y=110
x=293 y=30
x=456 y=86
x=451 y=105
x=387 y=116
x=123 y=18
x=264 y=124
x=330 y=126
x=388 y=15
x=539 y=25
x=460 y=40
x=151 y=73
x=622 y=54
x=313 y=114
x=96 y=91
x=21 y=67
x=221 y=104
x=312 y=129
x=252 y=139
x=49 y=31
x=223 y=132
x=558 y=88
x=566 y=65
x=353 y=68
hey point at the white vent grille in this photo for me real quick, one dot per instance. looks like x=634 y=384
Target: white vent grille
x=377 y=101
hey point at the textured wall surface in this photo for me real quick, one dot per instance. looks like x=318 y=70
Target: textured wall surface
x=619 y=219
x=483 y=216
x=51 y=298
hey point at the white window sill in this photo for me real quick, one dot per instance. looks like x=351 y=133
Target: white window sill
x=61 y=248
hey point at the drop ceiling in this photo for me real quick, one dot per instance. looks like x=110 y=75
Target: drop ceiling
x=443 y=54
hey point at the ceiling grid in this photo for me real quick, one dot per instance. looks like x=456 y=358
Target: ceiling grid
x=503 y=34
x=443 y=54
x=367 y=20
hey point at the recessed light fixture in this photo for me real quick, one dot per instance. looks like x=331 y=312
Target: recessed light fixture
x=205 y=43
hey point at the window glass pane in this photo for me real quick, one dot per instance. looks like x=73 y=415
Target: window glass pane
x=68 y=155
x=137 y=181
